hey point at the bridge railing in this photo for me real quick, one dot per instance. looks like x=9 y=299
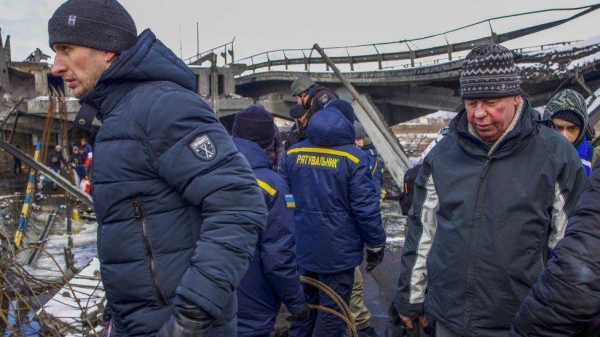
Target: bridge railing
x=406 y=53
x=211 y=54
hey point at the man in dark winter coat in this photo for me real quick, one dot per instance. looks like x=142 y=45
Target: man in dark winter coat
x=337 y=212
x=566 y=299
x=312 y=97
x=276 y=149
x=272 y=277
x=568 y=112
x=178 y=207
x=492 y=197
x=56 y=161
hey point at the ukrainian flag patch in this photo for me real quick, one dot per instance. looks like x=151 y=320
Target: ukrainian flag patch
x=289 y=201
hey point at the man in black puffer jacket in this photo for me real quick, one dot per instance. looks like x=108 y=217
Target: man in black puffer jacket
x=178 y=207
x=566 y=299
x=492 y=197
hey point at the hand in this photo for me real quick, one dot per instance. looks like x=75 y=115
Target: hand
x=374 y=257
x=382 y=195
x=187 y=321
x=301 y=315
x=408 y=321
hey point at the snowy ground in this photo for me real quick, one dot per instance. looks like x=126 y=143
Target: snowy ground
x=393 y=222
x=81 y=297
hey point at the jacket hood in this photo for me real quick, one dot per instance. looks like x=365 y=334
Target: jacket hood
x=329 y=127
x=571 y=100
x=148 y=60
x=255 y=155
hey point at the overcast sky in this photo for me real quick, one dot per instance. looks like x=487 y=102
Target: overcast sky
x=263 y=25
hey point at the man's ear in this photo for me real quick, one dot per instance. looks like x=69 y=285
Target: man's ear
x=110 y=56
x=516 y=100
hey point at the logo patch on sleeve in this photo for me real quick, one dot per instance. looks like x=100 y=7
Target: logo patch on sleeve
x=203 y=147
x=289 y=201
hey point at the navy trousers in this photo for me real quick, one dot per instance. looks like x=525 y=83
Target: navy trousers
x=320 y=322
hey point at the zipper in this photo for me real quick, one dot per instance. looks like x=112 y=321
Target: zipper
x=137 y=207
x=473 y=255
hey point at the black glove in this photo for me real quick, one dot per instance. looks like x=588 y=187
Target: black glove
x=187 y=321
x=374 y=257
x=301 y=315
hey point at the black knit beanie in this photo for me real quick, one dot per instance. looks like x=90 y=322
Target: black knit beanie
x=255 y=123
x=97 y=24
x=488 y=72
x=569 y=116
x=344 y=107
x=297 y=111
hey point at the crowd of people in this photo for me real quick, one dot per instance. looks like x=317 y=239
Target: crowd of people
x=203 y=233
x=78 y=165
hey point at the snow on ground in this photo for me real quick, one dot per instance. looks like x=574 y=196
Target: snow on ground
x=393 y=223
x=84 y=291
x=84 y=247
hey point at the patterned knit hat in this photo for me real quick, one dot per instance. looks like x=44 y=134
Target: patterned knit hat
x=255 y=123
x=489 y=71
x=97 y=24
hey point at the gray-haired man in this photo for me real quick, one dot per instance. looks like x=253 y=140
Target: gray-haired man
x=491 y=198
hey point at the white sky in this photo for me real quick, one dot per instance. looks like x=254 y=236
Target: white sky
x=263 y=25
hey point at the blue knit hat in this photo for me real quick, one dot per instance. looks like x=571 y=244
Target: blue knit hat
x=97 y=24
x=255 y=123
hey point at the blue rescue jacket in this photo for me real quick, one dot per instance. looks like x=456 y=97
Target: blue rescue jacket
x=337 y=209
x=178 y=207
x=272 y=276
x=585 y=150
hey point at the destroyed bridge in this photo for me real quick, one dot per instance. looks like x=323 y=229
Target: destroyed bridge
x=388 y=83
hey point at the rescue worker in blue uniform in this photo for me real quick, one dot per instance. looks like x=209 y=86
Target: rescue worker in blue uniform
x=337 y=212
x=272 y=277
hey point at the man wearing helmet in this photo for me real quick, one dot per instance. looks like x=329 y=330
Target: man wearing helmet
x=312 y=97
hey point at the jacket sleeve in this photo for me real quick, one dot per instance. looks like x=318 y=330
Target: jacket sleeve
x=283 y=165
x=278 y=253
x=571 y=182
x=279 y=147
x=194 y=155
x=567 y=295
x=422 y=222
x=364 y=205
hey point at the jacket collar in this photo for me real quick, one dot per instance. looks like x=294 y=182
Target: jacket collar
x=147 y=60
